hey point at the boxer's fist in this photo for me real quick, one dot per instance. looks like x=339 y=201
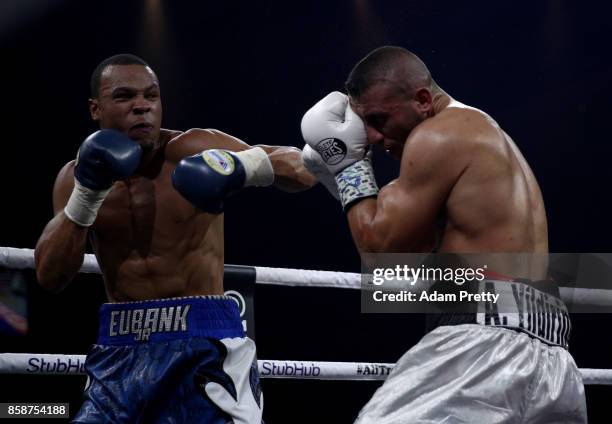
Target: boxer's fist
x=104 y=157
x=313 y=162
x=207 y=178
x=334 y=131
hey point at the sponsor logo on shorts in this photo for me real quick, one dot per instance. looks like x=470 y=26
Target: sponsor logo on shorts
x=143 y=322
x=239 y=299
x=332 y=150
x=219 y=160
x=537 y=313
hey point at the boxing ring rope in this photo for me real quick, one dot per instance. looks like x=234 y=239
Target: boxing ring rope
x=45 y=364
x=32 y=363
x=17 y=258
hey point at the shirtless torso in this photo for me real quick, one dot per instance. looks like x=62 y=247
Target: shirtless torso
x=150 y=242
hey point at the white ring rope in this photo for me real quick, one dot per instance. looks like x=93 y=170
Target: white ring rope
x=11 y=257
x=45 y=364
x=30 y=363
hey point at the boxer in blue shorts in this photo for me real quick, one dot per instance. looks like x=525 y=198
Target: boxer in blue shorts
x=150 y=202
x=147 y=346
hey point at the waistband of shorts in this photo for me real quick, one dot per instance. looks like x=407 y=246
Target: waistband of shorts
x=158 y=320
x=536 y=310
x=546 y=286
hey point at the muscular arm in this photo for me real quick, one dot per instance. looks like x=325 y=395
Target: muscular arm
x=61 y=247
x=289 y=172
x=402 y=218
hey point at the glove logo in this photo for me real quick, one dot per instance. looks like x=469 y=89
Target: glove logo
x=219 y=160
x=332 y=150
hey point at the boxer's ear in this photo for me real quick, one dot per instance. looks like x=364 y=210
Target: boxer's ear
x=94 y=109
x=423 y=99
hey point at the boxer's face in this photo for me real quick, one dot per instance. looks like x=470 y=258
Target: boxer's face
x=389 y=116
x=129 y=101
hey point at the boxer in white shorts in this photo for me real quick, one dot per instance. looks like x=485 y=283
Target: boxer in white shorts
x=463 y=187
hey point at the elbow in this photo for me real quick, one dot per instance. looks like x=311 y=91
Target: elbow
x=294 y=180
x=373 y=245
x=290 y=173
x=373 y=238
x=385 y=243
x=369 y=240
x=49 y=283
x=304 y=178
x=308 y=180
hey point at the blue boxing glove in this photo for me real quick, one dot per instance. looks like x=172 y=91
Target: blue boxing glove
x=104 y=157
x=208 y=178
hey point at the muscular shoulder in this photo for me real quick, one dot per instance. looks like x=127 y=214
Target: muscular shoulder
x=446 y=144
x=66 y=173
x=167 y=135
x=195 y=140
x=456 y=133
x=462 y=123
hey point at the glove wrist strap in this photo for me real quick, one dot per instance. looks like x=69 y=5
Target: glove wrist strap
x=356 y=182
x=82 y=207
x=257 y=167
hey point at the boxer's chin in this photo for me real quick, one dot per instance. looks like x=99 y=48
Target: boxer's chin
x=147 y=145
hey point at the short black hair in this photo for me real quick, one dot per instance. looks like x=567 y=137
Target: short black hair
x=386 y=63
x=118 y=59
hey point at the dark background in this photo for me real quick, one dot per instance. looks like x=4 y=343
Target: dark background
x=541 y=69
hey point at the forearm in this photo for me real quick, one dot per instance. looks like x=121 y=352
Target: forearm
x=59 y=252
x=289 y=172
x=361 y=218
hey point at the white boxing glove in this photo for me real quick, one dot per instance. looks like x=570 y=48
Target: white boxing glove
x=337 y=134
x=315 y=165
x=332 y=129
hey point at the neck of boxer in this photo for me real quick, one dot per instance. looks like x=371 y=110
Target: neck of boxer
x=440 y=99
x=153 y=158
x=151 y=161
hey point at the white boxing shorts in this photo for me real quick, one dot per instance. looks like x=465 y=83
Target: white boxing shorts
x=483 y=373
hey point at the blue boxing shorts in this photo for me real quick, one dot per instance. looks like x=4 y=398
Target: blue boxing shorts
x=180 y=360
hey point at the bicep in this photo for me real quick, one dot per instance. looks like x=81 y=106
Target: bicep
x=406 y=215
x=196 y=140
x=62 y=188
x=403 y=216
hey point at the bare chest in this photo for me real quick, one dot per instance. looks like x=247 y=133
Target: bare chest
x=144 y=211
